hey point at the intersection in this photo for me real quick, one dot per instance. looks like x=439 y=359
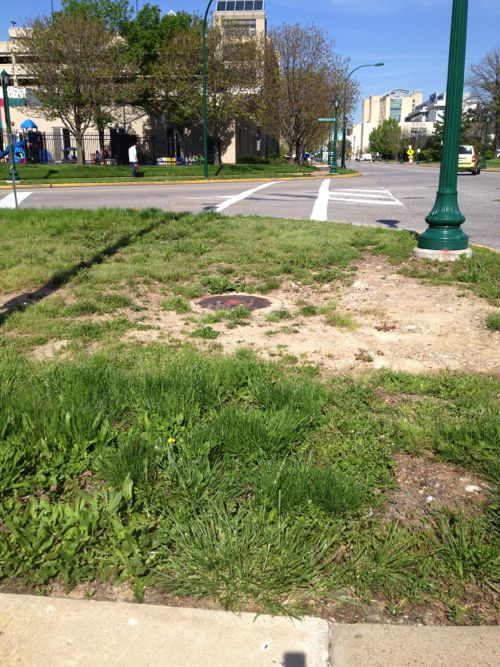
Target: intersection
x=386 y=195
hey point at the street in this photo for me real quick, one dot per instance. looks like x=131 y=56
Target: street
x=394 y=196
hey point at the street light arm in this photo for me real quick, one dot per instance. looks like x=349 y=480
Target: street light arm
x=344 y=123
x=205 y=18
x=360 y=66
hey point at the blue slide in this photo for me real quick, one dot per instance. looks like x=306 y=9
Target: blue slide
x=19 y=154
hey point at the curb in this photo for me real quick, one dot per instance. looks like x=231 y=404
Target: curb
x=39 y=631
x=284 y=179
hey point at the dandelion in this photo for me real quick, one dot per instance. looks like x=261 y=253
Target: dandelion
x=171 y=441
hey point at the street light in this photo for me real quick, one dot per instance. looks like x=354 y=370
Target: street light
x=13 y=175
x=333 y=164
x=444 y=240
x=488 y=118
x=204 y=76
x=344 y=125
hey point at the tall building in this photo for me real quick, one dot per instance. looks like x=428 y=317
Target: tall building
x=241 y=18
x=397 y=104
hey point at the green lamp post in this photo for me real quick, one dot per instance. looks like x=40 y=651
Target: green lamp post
x=13 y=175
x=487 y=120
x=444 y=240
x=333 y=163
x=344 y=120
x=204 y=77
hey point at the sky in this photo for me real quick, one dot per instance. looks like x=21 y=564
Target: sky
x=411 y=38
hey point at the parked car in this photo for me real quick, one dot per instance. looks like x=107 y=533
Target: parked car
x=467 y=160
x=365 y=157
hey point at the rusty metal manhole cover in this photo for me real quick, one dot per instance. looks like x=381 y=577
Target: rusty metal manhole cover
x=229 y=301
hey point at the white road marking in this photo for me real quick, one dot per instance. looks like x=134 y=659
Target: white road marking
x=320 y=210
x=378 y=197
x=10 y=202
x=242 y=195
x=212 y=197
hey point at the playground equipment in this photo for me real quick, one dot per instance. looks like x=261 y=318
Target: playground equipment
x=19 y=152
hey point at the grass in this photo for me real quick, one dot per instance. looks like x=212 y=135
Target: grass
x=493 y=321
x=83 y=282
x=227 y=477
x=257 y=484
x=480 y=273
x=69 y=173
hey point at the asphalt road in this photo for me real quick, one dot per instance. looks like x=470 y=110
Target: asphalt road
x=394 y=196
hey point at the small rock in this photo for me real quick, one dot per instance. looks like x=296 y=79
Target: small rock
x=413 y=328
x=359 y=285
x=471 y=488
x=429 y=499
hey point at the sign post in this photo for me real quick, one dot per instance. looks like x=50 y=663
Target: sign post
x=13 y=175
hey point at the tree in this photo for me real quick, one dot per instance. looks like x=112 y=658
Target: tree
x=113 y=13
x=385 y=139
x=232 y=86
x=302 y=81
x=78 y=66
x=483 y=82
x=149 y=36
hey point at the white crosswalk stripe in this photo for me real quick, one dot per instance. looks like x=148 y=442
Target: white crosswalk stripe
x=371 y=196
x=10 y=202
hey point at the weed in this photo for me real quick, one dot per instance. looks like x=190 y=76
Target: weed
x=493 y=321
x=336 y=319
x=234 y=317
x=205 y=332
x=308 y=310
x=279 y=315
x=176 y=303
x=363 y=355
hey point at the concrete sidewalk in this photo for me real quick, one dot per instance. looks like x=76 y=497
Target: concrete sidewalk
x=55 y=632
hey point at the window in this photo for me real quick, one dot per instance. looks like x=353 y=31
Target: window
x=240 y=28
x=396 y=108
x=240 y=5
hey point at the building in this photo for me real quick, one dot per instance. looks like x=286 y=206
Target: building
x=243 y=19
x=397 y=104
x=429 y=111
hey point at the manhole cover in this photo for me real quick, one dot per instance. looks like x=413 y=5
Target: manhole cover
x=229 y=301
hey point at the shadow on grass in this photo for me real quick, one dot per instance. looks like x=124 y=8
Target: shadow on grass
x=61 y=278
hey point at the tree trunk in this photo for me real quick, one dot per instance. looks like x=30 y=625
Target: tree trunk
x=101 y=140
x=219 y=151
x=80 y=157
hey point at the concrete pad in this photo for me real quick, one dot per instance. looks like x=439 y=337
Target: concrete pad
x=363 y=645
x=41 y=631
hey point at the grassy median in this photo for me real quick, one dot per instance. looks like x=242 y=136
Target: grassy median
x=184 y=472
x=69 y=173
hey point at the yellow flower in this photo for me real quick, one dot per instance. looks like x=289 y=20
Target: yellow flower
x=171 y=441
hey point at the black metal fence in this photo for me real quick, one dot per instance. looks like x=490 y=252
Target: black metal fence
x=59 y=146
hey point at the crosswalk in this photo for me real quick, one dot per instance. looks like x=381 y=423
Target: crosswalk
x=371 y=196
x=10 y=202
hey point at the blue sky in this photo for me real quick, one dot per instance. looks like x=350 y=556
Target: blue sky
x=411 y=38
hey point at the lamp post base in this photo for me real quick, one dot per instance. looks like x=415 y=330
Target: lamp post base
x=441 y=255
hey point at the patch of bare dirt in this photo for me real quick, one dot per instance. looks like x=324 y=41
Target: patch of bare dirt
x=402 y=324
x=426 y=484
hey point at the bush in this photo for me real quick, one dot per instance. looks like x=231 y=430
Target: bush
x=252 y=159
